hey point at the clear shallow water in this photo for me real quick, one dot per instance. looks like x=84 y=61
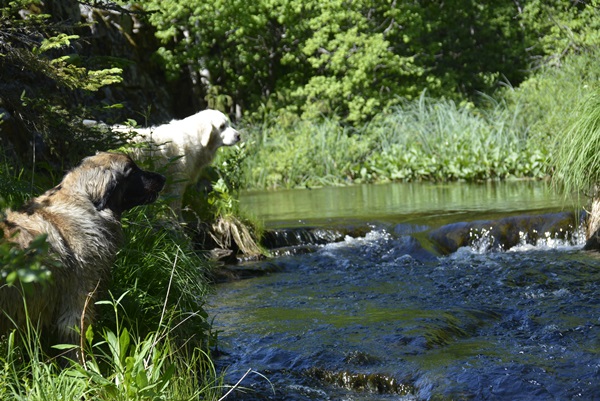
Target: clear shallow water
x=380 y=318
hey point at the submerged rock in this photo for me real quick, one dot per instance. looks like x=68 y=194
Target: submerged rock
x=370 y=382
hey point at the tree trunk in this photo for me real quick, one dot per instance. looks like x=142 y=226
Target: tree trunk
x=592 y=234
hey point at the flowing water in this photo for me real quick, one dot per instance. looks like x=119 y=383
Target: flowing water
x=383 y=316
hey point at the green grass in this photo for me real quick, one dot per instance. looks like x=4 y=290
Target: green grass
x=119 y=365
x=159 y=263
x=439 y=140
x=303 y=153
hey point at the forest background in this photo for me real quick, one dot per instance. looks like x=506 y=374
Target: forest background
x=326 y=93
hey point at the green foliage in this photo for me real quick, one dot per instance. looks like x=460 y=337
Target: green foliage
x=423 y=139
x=355 y=71
x=223 y=198
x=307 y=153
x=348 y=59
x=561 y=28
x=122 y=365
x=441 y=141
x=37 y=379
x=24 y=36
x=25 y=266
x=549 y=97
x=14 y=190
x=47 y=88
x=216 y=208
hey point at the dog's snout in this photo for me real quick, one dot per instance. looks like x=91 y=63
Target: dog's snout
x=154 y=181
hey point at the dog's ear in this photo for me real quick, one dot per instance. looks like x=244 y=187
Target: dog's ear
x=206 y=133
x=101 y=195
x=98 y=183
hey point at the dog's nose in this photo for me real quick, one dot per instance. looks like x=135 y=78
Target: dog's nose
x=154 y=182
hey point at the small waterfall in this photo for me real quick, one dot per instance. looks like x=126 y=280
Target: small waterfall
x=550 y=230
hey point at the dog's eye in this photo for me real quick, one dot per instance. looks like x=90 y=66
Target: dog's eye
x=128 y=170
x=223 y=126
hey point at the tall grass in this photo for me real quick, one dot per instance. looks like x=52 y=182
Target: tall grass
x=158 y=264
x=578 y=154
x=304 y=153
x=118 y=365
x=551 y=95
x=424 y=139
x=440 y=140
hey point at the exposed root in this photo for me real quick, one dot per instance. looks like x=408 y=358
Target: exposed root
x=230 y=233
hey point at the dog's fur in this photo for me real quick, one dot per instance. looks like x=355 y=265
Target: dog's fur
x=81 y=218
x=184 y=147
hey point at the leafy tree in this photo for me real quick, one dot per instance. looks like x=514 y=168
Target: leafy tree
x=471 y=45
x=352 y=59
x=355 y=71
x=314 y=57
x=45 y=87
x=559 y=28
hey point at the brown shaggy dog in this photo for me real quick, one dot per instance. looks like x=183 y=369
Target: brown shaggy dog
x=81 y=218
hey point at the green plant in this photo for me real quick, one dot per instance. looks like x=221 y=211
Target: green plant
x=26 y=374
x=120 y=365
x=124 y=367
x=421 y=139
x=47 y=89
x=25 y=266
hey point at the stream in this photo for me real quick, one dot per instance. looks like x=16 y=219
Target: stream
x=382 y=312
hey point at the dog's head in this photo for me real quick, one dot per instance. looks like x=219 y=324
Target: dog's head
x=216 y=130
x=113 y=181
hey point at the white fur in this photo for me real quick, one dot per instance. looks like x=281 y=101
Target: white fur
x=185 y=147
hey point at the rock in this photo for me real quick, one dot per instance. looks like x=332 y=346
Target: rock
x=505 y=233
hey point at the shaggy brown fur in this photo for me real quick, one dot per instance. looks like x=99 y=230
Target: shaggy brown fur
x=81 y=218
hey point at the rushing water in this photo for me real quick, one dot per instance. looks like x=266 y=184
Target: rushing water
x=379 y=317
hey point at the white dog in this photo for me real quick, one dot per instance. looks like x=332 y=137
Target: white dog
x=185 y=147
